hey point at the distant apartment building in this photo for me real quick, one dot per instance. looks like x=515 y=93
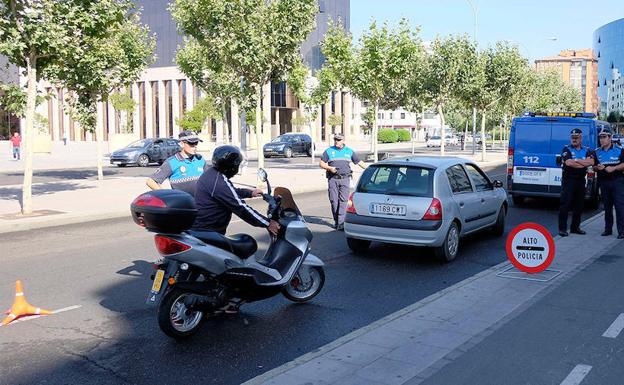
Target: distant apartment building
x=579 y=69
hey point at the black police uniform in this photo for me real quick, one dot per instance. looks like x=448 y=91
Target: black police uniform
x=611 y=187
x=572 y=186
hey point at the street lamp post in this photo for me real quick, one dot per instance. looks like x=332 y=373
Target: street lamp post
x=475 y=12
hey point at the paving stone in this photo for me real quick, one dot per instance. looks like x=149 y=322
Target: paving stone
x=420 y=355
x=358 y=353
x=323 y=369
x=386 y=338
x=387 y=371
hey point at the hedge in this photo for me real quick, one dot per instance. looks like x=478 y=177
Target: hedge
x=387 y=135
x=404 y=135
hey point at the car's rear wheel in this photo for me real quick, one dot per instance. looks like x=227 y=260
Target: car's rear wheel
x=309 y=152
x=143 y=160
x=288 y=152
x=517 y=199
x=499 y=227
x=448 y=251
x=358 y=245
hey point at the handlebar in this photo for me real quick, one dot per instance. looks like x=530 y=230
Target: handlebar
x=274 y=205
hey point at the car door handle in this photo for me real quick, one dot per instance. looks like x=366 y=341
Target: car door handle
x=461 y=204
x=482 y=200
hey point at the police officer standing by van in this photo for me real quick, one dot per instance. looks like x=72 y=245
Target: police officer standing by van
x=336 y=161
x=183 y=169
x=575 y=158
x=609 y=164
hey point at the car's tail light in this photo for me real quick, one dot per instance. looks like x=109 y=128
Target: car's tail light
x=168 y=246
x=434 y=212
x=510 y=159
x=149 y=200
x=351 y=204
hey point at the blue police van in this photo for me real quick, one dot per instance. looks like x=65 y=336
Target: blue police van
x=534 y=154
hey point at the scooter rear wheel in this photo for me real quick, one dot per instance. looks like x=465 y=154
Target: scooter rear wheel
x=305 y=285
x=174 y=318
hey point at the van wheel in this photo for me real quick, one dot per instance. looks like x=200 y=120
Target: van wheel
x=358 y=245
x=499 y=227
x=517 y=199
x=448 y=251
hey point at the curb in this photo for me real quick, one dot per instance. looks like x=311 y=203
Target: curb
x=264 y=377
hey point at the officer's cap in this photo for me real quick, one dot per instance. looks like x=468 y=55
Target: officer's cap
x=338 y=137
x=189 y=136
x=604 y=132
x=576 y=132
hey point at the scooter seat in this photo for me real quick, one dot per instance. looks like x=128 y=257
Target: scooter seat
x=241 y=245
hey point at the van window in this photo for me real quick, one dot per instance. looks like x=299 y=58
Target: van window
x=397 y=180
x=458 y=179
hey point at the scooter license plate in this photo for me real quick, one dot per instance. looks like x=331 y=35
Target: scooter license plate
x=158 y=280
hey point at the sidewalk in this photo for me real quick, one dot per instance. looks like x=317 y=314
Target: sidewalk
x=413 y=344
x=75 y=201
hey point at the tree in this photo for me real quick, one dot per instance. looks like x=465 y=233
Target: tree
x=450 y=73
x=123 y=102
x=37 y=34
x=299 y=121
x=548 y=93
x=255 y=40
x=104 y=63
x=195 y=119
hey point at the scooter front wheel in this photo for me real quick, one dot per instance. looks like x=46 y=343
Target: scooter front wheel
x=305 y=285
x=174 y=318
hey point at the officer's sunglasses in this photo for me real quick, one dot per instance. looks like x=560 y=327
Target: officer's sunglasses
x=194 y=144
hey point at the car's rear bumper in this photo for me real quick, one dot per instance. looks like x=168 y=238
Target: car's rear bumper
x=390 y=230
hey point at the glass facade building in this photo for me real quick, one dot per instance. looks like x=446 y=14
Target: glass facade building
x=608 y=44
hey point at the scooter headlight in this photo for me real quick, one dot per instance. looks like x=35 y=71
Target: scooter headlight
x=184 y=266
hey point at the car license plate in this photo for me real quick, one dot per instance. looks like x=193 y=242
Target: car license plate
x=158 y=280
x=382 y=208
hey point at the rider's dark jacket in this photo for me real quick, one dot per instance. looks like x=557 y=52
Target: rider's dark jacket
x=217 y=198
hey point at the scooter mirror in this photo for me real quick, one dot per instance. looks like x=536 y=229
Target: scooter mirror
x=262 y=175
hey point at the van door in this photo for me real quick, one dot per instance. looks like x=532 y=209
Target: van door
x=559 y=138
x=531 y=148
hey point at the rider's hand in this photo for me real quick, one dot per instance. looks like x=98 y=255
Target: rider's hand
x=256 y=193
x=273 y=227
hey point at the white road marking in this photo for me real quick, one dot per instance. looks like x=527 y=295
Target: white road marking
x=577 y=375
x=32 y=317
x=616 y=327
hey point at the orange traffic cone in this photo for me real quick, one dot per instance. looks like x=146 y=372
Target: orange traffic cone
x=21 y=307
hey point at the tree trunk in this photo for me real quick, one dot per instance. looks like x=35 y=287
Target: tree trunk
x=258 y=127
x=374 y=135
x=100 y=170
x=483 y=145
x=29 y=134
x=226 y=126
x=442 y=130
x=465 y=136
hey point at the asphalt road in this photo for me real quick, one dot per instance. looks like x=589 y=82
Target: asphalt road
x=56 y=175
x=113 y=337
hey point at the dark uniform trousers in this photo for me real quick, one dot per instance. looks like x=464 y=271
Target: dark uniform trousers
x=338 y=189
x=572 y=197
x=612 y=192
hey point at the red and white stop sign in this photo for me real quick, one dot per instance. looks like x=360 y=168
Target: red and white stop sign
x=530 y=248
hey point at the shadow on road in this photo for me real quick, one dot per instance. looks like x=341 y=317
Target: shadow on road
x=15 y=193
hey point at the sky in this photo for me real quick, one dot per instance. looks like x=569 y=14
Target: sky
x=531 y=24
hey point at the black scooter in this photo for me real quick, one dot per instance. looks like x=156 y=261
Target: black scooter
x=203 y=273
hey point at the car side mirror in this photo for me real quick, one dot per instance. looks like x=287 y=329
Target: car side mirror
x=558 y=160
x=498 y=184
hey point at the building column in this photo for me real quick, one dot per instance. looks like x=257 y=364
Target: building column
x=318 y=124
x=190 y=95
x=176 y=102
x=112 y=119
x=338 y=110
x=266 y=113
x=54 y=119
x=136 y=114
x=219 y=132
x=357 y=119
x=234 y=123
x=275 y=128
x=327 y=109
x=149 y=110
x=162 y=110
x=347 y=120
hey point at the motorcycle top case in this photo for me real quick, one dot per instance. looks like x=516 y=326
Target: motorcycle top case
x=164 y=211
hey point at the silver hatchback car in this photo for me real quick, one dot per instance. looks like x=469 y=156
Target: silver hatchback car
x=424 y=201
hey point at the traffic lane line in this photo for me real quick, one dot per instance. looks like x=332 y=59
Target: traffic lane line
x=577 y=375
x=32 y=317
x=616 y=327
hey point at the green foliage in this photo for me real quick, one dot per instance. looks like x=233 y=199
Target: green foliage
x=122 y=102
x=548 y=93
x=334 y=120
x=13 y=99
x=387 y=135
x=196 y=118
x=614 y=117
x=299 y=121
x=369 y=117
x=403 y=135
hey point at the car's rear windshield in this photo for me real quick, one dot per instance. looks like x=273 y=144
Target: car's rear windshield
x=435 y=137
x=397 y=180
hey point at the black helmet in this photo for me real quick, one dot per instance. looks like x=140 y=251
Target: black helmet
x=227 y=159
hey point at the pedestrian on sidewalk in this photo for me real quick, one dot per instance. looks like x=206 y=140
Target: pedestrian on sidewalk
x=336 y=161
x=16 y=142
x=182 y=169
x=575 y=158
x=609 y=164
x=65 y=138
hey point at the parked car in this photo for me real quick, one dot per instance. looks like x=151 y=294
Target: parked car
x=145 y=151
x=424 y=201
x=288 y=145
x=434 y=141
x=451 y=140
x=617 y=139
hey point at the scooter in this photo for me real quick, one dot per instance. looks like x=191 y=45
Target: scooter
x=203 y=274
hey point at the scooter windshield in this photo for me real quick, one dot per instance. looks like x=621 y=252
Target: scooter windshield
x=288 y=202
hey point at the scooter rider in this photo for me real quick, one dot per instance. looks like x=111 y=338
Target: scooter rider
x=217 y=198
